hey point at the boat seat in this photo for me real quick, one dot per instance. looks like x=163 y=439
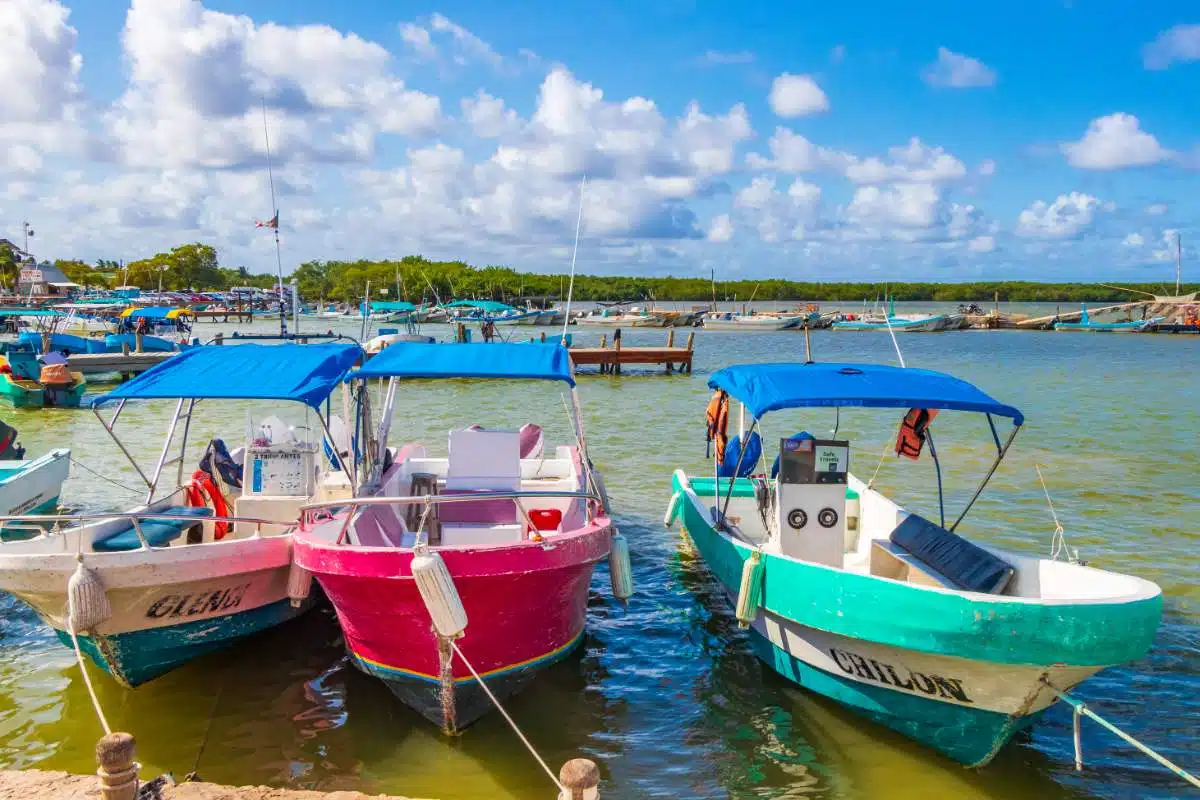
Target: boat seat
x=158 y=532
x=965 y=565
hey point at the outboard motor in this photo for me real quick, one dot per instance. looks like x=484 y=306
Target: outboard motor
x=9 y=449
x=811 y=498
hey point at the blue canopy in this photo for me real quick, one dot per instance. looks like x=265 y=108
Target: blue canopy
x=483 y=305
x=770 y=387
x=549 y=362
x=306 y=373
x=392 y=305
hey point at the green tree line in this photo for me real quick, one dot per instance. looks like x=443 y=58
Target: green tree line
x=415 y=278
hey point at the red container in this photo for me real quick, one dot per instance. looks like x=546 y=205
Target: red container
x=546 y=519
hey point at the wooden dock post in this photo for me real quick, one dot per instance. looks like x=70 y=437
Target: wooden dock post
x=617 y=352
x=691 y=339
x=117 y=769
x=543 y=337
x=124 y=348
x=45 y=343
x=219 y=338
x=137 y=338
x=580 y=779
x=603 y=346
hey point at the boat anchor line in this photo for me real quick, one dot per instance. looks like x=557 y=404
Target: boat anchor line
x=1081 y=710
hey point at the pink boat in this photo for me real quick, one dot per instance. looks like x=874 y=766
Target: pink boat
x=519 y=530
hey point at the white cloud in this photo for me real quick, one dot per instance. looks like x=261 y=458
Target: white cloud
x=789 y=215
x=957 y=71
x=1134 y=240
x=797 y=96
x=40 y=68
x=911 y=205
x=1067 y=217
x=911 y=163
x=982 y=244
x=198 y=78
x=1174 y=45
x=720 y=229
x=419 y=40
x=1156 y=209
x=469 y=46
x=1113 y=142
x=720 y=58
x=791 y=152
x=488 y=117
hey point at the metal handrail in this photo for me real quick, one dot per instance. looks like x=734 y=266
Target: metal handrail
x=374 y=500
x=26 y=522
x=427 y=500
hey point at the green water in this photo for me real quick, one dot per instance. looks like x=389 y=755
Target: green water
x=664 y=694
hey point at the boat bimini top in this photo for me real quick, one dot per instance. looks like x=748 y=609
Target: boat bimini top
x=763 y=388
x=302 y=373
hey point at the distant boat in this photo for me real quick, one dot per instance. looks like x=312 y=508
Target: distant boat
x=26 y=383
x=1086 y=325
x=29 y=486
x=750 y=322
x=906 y=324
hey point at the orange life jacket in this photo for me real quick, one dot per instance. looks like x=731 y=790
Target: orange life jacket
x=202 y=491
x=716 y=417
x=912 y=432
x=55 y=375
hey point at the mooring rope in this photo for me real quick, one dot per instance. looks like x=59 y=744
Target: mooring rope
x=87 y=678
x=1058 y=543
x=500 y=708
x=85 y=467
x=1080 y=709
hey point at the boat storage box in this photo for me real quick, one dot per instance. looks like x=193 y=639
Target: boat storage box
x=811 y=499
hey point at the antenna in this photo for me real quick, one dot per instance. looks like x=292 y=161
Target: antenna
x=1178 y=263
x=274 y=224
x=574 y=254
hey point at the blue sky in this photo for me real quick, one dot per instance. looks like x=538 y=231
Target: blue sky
x=868 y=140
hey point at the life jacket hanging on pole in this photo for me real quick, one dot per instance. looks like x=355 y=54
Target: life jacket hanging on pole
x=716 y=417
x=913 y=429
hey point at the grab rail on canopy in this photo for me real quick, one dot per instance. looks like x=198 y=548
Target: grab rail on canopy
x=29 y=522
x=351 y=505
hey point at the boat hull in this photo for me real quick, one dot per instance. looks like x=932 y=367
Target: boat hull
x=526 y=606
x=959 y=672
x=33 y=487
x=169 y=606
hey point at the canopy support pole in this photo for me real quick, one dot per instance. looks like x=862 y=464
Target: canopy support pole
x=581 y=440
x=736 y=470
x=162 y=457
x=983 y=484
x=341 y=461
x=992 y=424
x=937 y=466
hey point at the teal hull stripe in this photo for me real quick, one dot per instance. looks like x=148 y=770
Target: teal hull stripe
x=968 y=735
x=136 y=657
x=901 y=615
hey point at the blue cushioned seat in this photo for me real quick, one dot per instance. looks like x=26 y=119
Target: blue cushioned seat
x=158 y=532
x=966 y=565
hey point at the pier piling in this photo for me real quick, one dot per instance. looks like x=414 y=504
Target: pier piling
x=580 y=779
x=116 y=767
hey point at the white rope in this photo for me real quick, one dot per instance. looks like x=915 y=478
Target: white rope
x=500 y=708
x=879 y=466
x=888 y=319
x=1058 y=542
x=87 y=678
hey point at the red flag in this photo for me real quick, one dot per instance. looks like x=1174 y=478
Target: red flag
x=273 y=222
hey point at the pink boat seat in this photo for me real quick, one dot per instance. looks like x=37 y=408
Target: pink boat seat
x=383 y=525
x=478 y=512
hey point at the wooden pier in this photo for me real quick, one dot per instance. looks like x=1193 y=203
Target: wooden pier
x=611 y=359
x=124 y=363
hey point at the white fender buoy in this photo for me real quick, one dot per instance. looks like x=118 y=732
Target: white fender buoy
x=749 y=590
x=299 y=584
x=439 y=593
x=673 y=507
x=87 y=603
x=619 y=568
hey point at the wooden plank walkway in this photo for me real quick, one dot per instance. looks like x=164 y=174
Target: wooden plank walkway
x=611 y=359
x=224 y=315
x=125 y=363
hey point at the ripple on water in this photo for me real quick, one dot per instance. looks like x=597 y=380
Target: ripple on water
x=664 y=692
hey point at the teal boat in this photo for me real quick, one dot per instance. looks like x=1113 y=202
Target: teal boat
x=21 y=385
x=1086 y=325
x=953 y=643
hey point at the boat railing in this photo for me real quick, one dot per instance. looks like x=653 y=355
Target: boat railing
x=52 y=524
x=312 y=512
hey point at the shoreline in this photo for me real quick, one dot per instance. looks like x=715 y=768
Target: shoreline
x=57 y=785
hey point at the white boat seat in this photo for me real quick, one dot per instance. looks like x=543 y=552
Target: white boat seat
x=892 y=561
x=966 y=565
x=484 y=460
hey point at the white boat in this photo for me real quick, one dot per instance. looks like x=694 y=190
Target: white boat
x=30 y=486
x=749 y=322
x=609 y=318
x=181 y=576
x=956 y=644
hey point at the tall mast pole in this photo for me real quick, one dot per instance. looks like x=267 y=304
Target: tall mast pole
x=275 y=227
x=1178 y=263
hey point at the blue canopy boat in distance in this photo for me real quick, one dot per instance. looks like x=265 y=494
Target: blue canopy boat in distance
x=205 y=560
x=955 y=644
